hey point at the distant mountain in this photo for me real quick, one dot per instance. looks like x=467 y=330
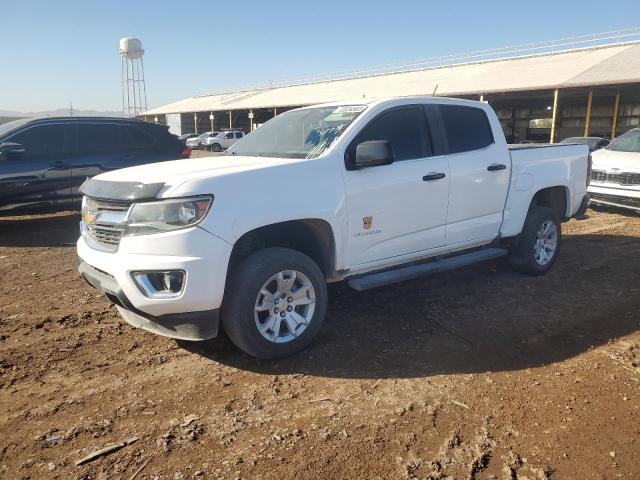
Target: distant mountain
x=62 y=112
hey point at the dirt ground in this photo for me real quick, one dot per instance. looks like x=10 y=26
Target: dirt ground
x=479 y=373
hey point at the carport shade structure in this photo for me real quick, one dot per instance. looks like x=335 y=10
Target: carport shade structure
x=594 y=79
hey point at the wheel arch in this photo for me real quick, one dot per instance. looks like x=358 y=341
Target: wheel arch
x=557 y=198
x=519 y=204
x=312 y=236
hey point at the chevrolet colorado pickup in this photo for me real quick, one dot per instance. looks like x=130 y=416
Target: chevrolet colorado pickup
x=370 y=192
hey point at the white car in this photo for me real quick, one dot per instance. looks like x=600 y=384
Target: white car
x=196 y=143
x=615 y=177
x=371 y=192
x=222 y=140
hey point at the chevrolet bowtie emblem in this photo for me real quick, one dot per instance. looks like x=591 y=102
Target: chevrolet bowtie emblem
x=89 y=217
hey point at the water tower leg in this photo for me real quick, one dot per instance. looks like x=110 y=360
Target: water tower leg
x=144 y=85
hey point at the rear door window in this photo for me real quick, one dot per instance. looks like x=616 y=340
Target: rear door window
x=99 y=139
x=467 y=128
x=239 y=134
x=137 y=138
x=405 y=129
x=228 y=135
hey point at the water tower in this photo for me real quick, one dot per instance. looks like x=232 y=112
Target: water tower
x=134 y=93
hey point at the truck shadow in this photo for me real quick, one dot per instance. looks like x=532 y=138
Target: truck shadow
x=44 y=230
x=478 y=319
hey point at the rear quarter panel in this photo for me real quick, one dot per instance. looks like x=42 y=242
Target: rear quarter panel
x=539 y=167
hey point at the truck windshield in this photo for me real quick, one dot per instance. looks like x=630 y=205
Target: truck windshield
x=304 y=133
x=629 y=142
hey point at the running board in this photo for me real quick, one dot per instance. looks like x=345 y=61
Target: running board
x=401 y=274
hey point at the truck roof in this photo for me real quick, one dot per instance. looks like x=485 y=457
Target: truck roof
x=416 y=98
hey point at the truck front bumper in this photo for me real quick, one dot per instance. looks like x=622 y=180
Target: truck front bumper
x=186 y=325
x=615 y=196
x=193 y=314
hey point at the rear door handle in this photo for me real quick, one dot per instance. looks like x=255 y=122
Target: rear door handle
x=59 y=165
x=494 y=167
x=433 y=176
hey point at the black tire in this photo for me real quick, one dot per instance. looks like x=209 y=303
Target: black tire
x=245 y=283
x=522 y=257
x=216 y=147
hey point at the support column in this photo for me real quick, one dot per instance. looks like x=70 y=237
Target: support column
x=275 y=111
x=211 y=117
x=250 y=120
x=614 y=123
x=587 y=119
x=554 y=116
x=230 y=120
x=482 y=97
x=195 y=123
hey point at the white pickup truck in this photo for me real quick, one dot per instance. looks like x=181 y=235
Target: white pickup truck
x=369 y=192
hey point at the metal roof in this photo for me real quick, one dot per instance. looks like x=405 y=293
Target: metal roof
x=582 y=67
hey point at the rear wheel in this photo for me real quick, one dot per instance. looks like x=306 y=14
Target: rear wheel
x=275 y=303
x=539 y=243
x=216 y=147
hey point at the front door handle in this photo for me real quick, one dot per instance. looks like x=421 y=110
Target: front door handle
x=433 y=176
x=494 y=167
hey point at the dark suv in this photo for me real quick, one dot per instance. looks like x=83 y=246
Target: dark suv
x=44 y=161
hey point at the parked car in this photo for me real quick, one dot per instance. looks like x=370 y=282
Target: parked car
x=187 y=136
x=594 y=143
x=615 y=178
x=223 y=140
x=196 y=142
x=372 y=193
x=44 y=161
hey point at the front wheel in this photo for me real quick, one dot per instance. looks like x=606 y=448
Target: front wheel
x=216 y=147
x=275 y=303
x=539 y=243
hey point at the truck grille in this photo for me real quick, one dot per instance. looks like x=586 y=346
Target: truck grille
x=106 y=235
x=103 y=222
x=112 y=206
x=619 y=178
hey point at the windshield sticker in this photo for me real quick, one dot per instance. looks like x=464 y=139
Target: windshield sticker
x=350 y=109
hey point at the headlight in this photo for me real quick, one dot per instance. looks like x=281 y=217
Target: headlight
x=166 y=215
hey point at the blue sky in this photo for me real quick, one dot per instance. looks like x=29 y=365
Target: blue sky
x=59 y=50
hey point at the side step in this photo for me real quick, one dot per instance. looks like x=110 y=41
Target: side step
x=401 y=274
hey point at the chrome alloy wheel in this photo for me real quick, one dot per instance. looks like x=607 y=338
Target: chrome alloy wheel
x=284 y=307
x=546 y=242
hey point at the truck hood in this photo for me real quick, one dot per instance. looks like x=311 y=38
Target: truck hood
x=176 y=172
x=612 y=161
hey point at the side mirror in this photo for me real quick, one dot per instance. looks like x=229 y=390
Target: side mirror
x=10 y=148
x=373 y=153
